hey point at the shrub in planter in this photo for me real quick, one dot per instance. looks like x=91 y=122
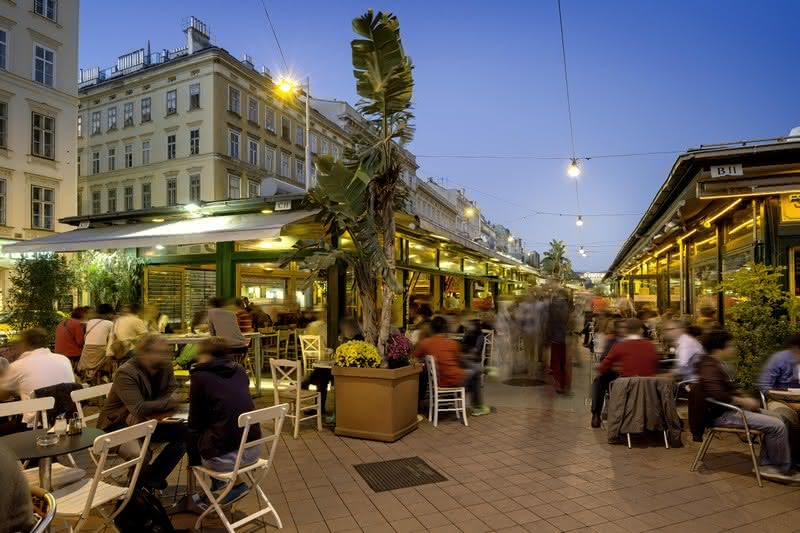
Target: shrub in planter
x=398 y=350
x=358 y=354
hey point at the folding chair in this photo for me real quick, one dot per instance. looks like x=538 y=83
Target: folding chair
x=750 y=434
x=61 y=474
x=76 y=501
x=286 y=389
x=311 y=350
x=453 y=398
x=262 y=466
x=488 y=349
x=89 y=393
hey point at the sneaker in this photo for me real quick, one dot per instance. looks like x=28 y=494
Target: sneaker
x=773 y=473
x=480 y=410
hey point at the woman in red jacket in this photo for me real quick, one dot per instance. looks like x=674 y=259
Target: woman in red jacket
x=70 y=335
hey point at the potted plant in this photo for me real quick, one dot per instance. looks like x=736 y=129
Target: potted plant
x=398 y=350
x=371 y=402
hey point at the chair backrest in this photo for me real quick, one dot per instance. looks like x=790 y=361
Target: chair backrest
x=89 y=393
x=285 y=377
x=433 y=377
x=276 y=413
x=311 y=349
x=488 y=335
x=102 y=446
x=34 y=405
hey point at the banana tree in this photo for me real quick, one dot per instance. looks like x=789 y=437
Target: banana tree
x=385 y=85
x=555 y=261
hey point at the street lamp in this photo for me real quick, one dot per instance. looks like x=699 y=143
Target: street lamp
x=288 y=87
x=510 y=238
x=579 y=221
x=469 y=212
x=573 y=170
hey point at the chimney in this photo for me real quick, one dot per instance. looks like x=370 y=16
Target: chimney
x=265 y=71
x=247 y=60
x=197 y=35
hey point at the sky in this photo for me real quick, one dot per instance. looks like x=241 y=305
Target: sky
x=644 y=77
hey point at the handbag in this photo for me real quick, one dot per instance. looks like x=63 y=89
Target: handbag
x=117 y=349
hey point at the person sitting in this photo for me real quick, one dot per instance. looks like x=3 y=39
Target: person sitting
x=318 y=327
x=715 y=383
x=781 y=371
x=349 y=330
x=473 y=341
x=69 y=339
x=447 y=353
x=634 y=356
x=218 y=394
x=143 y=389
x=687 y=348
x=16 y=506
x=223 y=323
x=36 y=368
x=243 y=316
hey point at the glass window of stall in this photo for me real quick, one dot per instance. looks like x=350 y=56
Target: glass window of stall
x=421 y=255
x=703 y=274
x=675 y=293
x=449 y=261
x=474 y=267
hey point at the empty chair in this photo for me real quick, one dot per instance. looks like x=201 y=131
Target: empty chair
x=77 y=500
x=311 y=350
x=286 y=388
x=254 y=473
x=89 y=393
x=443 y=399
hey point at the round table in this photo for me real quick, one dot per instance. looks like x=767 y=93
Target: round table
x=24 y=446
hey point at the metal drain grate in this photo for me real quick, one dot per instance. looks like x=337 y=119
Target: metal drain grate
x=398 y=474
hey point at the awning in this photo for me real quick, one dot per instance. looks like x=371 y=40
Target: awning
x=223 y=228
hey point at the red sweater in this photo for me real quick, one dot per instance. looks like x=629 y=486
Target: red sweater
x=631 y=357
x=69 y=337
x=447 y=354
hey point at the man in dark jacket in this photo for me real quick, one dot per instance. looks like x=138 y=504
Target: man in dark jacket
x=142 y=390
x=716 y=383
x=218 y=394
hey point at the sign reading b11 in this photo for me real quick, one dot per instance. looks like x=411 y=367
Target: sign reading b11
x=721 y=171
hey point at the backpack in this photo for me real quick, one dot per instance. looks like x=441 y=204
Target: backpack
x=144 y=512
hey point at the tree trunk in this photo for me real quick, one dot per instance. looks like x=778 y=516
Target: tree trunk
x=368 y=290
x=386 y=212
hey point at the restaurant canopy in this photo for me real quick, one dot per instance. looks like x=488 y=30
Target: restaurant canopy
x=224 y=228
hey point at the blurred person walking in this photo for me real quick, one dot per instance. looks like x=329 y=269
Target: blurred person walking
x=98 y=331
x=558 y=328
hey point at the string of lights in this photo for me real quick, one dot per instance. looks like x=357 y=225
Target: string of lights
x=534 y=157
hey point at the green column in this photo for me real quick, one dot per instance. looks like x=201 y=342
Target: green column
x=226 y=270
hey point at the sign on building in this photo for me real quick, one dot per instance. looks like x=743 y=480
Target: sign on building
x=721 y=171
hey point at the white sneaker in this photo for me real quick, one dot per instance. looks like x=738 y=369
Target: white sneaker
x=774 y=473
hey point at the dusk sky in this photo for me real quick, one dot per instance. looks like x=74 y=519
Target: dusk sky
x=644 y=76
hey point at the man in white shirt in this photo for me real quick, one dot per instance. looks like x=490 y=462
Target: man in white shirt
x=687 y=348
x=36 y=368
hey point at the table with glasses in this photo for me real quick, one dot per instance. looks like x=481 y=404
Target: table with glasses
x=24 y=446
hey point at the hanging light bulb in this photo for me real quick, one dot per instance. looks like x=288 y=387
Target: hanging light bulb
x=581 y=251
x=579 y=221
x=510 y=238
x=573 y=170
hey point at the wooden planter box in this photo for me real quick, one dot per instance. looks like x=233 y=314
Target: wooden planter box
x=376 y=403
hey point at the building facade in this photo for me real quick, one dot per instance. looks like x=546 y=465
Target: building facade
x=38 y=110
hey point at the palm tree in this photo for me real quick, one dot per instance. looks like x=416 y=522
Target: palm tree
x=555 y=261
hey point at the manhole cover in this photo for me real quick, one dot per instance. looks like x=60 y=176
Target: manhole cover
x=398 y=474
x=524 y=382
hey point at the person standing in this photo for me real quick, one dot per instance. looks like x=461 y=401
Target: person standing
x=98 y=330
x=127 y=329
x=558 y=324
x=70 y=335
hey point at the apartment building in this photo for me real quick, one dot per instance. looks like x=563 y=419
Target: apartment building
x=187 y=126
x=38 y=109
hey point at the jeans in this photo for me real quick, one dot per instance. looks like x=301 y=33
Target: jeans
x=776 y=451
x=472 y=382
x=175 y=437
x=226 y=462
x=599 y=389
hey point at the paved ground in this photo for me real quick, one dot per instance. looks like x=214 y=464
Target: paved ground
x=534 y=465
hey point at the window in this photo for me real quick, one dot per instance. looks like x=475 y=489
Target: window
x=128 y=155
x=96 y=120
x=80 y=125
x=147 y=196
x=170 y=146
x=96 y=202
x=172 y=191
x=253 y=189
x=112 y=159
x=194 y=188
x=43 y=130
x=43 y=60
x=80 y=201
x=112 y=201
x=234 y=187
x=3 y=124
x=112 y=118
x=252 y=110
x=286 y=129
x=127 y=114
x=324 y=146
x=233 y=144
x=172 y=102
x=95 y=162
x=45 y=8
x=42 y=207
x=2 y=202
x=146 y=107
x=194 y=96
x=3 y=48
x=299 y=135
x=284 y=170
x=312 y=141
x=252 y=151
x=128 y=194
x=269 y=120
x=194 y=141
x=269 y=159
x=145 y=152
x=233 y=99
x=336 y=149
x=299 y=170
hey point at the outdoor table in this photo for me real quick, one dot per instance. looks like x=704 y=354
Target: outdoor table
x=791 y=396
x=24 y=446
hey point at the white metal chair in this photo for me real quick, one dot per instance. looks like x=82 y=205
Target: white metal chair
x=286 y=389
x=76 y=501
x=89 y=393
x=260 y=467
x=311 y=350
x=283 y=343
x=488 y=348
x=443 y=399
x=61 y=474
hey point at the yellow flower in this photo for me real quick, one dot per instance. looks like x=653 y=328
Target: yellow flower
x=358 y=354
